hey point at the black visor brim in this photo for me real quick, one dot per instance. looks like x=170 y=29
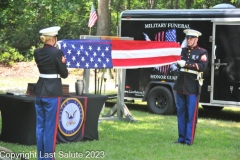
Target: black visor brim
x=191 y=36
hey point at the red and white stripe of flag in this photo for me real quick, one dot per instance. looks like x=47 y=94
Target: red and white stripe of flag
x=93 y=17
x=137 y=54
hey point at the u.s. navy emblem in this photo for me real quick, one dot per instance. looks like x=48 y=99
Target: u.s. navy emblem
x=71 y=117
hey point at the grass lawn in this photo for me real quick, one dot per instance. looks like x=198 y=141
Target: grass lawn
x=151 y=138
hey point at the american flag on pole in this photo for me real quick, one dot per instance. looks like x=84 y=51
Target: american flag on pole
x=119 y=53
x=93 y=17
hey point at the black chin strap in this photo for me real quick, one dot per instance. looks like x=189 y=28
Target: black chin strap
x=55 y=41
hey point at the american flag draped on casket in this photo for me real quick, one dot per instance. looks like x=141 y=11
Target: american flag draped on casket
x=93 y=54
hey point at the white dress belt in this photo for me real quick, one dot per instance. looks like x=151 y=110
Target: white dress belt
x=49 y=75
x=199 y=75
x=189 y=71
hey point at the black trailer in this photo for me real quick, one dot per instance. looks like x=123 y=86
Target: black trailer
x=220 y=30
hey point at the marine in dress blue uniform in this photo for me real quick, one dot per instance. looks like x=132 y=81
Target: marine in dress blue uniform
x=52 y=67
x=194 y=60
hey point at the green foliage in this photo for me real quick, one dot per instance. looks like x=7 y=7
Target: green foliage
x=9 y=55
x=21 y=20
x=30 y=54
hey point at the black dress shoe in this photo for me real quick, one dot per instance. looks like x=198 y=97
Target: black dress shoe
x=177 y=142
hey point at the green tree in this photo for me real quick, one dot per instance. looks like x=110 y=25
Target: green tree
x=21 y=20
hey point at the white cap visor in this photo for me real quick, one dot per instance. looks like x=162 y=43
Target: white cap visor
x=191 y=32
x=51 y=31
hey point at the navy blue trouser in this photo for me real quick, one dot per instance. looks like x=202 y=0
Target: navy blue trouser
x=47 y=110
x=187 y=108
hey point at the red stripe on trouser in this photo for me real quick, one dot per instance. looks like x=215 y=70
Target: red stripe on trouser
x=194 y=121
x=56 y=125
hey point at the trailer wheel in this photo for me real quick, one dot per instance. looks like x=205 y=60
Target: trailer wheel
x=214 y=108
x=160 y=100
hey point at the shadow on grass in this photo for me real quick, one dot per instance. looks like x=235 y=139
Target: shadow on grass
x=131 y=106
x=225 y=114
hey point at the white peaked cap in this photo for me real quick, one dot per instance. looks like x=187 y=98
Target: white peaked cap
x=191 y=32
x=51 y=31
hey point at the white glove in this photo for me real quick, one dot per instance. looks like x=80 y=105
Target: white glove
x=181 y=63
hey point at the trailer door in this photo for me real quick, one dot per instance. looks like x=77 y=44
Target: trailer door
x=225 y=61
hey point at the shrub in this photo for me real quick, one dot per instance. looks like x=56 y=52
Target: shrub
x=9 y=55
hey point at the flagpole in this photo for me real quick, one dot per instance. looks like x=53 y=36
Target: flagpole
x=91 y=22
x=90 y=31
x=92 y=19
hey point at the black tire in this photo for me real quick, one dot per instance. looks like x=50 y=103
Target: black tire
x=160 y=101
x=213 y=108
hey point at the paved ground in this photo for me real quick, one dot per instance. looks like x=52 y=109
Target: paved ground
x=17 y=77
